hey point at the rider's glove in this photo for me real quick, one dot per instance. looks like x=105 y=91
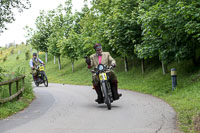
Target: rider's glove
x=113 y=65
x=88 y=61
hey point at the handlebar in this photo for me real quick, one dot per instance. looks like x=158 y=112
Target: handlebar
x=106 y=68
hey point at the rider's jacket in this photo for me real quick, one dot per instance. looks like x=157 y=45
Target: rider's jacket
x=35 y=62
x=106 y=59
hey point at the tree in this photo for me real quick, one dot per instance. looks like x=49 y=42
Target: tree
x=57 y=34
x=120 y=28
x=167 y=30
x=70 y=47
x=6 y=11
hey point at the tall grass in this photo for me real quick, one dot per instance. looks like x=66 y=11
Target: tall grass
x=13 y=69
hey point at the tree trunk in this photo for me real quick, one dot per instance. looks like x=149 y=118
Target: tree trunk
x=125 y=64
x=72 y=66
x=38 y=53
x=46 y=57
x=54 y=59
x=164 y=68
x=194 y=59
x=142 y=63
x=59 y=63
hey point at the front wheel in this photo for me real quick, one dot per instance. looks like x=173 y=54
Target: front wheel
x=45 y=80
x=36 y=83
x=106 y=96
x=108 y=104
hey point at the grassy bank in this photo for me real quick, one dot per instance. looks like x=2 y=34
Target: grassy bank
x=13 y=66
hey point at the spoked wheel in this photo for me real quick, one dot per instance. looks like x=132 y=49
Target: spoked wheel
x=36 y=83
x=108 y=104
x=45 y=81
x=107 y=98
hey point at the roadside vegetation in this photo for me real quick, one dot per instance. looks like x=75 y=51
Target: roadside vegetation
x=10 y=68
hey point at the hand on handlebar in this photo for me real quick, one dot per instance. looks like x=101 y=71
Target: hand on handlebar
x=113 y=65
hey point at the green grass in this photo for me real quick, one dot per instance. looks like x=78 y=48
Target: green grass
x=16 y=67
x=185 y=99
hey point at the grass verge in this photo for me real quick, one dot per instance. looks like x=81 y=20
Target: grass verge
x=14 y=66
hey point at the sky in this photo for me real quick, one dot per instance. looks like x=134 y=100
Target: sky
x=16 y=32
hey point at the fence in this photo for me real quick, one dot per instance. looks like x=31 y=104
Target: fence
x=18 y=92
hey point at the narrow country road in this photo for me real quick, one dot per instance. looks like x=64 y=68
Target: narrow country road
x=71 y=109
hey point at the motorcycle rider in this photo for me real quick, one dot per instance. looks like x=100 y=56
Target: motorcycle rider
x=104 y=58
x=34 y=62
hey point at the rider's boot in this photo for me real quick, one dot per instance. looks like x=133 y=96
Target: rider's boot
x=114 y=87
x=99 y=99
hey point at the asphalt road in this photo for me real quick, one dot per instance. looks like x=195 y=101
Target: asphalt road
x=71 y=109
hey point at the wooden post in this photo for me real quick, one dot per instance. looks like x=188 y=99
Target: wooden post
x=10 y=89
x=22 y=85
x=17 y=87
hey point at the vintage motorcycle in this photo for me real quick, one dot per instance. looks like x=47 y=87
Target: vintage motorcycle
x=101 y=71
x=41 y=76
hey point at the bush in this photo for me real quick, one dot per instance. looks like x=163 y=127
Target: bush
x=12 y=51
x=27 y=55
x=1 y=73
x=4 y=58
x=17 y=58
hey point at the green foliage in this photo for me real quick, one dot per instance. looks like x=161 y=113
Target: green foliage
x=71 y=46
x=27 y=55
x=7 y=14
x=120 y=28
x=12 y=51
x=167 y=30
x=2 y=70
x=11 y=70
x=17 y=57
x=5 y=58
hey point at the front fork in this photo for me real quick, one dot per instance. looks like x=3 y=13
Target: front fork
x=106 y=89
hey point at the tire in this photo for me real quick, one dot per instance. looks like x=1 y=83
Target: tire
x=36 y=83
x=45 y=80
x=108 y=104
x=107 y=98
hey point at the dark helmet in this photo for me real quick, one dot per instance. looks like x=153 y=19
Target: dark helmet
x=97 y=45
x=34 y=54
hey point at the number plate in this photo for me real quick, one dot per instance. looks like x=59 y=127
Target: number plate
x=41 y=68
x=102 y=76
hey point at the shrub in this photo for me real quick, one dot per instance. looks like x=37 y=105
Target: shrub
x=27 y=55
x=17 y=58
x=12 y=51
x=4 y=58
